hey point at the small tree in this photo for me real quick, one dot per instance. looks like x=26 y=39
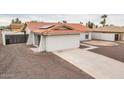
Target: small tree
x=19 y=22
x=12 y=22
x=81 y=22
x=23 y=30
x=16 y=21
x=64 y=21
x=90 y=24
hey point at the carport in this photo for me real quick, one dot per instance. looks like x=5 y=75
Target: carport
x=14 y=37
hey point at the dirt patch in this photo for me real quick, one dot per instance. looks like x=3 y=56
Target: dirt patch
x=83 y=46
x=115 y=52
x=18 y=61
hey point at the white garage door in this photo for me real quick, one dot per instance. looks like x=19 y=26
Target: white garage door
x=54 y=43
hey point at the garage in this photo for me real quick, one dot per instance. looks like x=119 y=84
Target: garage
x=13 y=39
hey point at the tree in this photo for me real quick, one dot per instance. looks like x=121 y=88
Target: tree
x=12 y=21
x=64 y=21
x=81 y=22
x=90 y=24
x=96 y=26
x=34 y=21
x=19 y=22
x=103 y=22
x=23 y=30
x=16 y=21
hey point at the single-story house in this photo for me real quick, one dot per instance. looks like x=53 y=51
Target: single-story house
x=15 y=34
x=54 y=36
x=109 y=33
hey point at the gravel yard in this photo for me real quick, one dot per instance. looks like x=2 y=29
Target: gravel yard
x=18 y=61
x=115 y=52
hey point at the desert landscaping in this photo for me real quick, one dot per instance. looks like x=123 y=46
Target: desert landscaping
x=61 y=50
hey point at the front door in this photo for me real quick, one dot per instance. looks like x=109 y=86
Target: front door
x=116 y=37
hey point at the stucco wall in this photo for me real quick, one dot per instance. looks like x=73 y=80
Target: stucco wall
x=123 y=37
x=1 y=42
x=54 y=43
x=42 y=45
x=30 y=39
x=103 y=36
x=82 y=36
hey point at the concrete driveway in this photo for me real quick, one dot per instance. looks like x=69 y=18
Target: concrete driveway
x=96 y=65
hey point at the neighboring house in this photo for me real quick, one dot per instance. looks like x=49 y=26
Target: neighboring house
x=86 y=34
x=54 y=36
x=15 y=34
x=109 y=33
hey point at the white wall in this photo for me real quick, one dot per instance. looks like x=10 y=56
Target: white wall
x=42 y=45
x=27 y=30
x=82 y=36
x=54 y=43
x=30 y=39
x=3 y=38
x=123 y=37
x=103 y=36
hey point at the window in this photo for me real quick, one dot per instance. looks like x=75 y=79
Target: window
x=86 y=36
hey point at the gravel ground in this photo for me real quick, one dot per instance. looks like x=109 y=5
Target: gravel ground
x=115 y=52
x=19 y=62
x=83 y=46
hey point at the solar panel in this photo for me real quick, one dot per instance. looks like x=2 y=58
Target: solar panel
x=46 y=26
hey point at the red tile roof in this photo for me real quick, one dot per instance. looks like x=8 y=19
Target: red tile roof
x=73 y=28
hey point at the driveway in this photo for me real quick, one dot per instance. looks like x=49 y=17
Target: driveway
x=96 y=65
x=18 y=61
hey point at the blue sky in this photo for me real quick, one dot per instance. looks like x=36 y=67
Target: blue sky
x=116 y=19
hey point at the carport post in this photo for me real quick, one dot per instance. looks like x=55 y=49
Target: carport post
x=3 y=38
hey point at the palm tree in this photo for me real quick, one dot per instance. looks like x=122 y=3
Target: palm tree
x=103 y=22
